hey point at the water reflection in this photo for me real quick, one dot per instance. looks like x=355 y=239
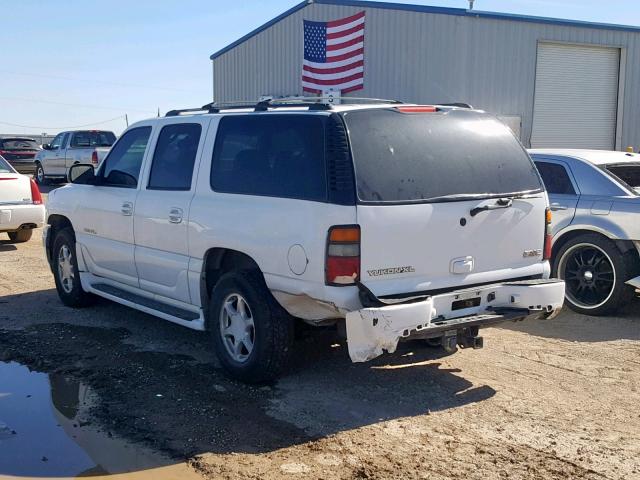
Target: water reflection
x=45 y=432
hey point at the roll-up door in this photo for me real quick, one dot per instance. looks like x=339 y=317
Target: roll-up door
x=576 y=96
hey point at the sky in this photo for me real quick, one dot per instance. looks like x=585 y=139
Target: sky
x=87 y=64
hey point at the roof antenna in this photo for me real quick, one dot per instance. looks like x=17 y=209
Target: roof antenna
x=471 y=4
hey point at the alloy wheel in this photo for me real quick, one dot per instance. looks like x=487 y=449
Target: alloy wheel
x=65 y=268
x=589 y=275
x=237 y=327
x=40 y=174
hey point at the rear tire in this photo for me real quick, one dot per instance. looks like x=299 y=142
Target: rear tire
x=65 y=271
x=595 y=273
x=251 y=332
x=20 y=236
x=39 y=175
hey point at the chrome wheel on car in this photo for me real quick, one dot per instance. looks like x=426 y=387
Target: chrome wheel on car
x=237 y=327
x=589 y=275
x=65 y=268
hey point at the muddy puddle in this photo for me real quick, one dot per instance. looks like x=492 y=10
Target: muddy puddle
x=46 y=432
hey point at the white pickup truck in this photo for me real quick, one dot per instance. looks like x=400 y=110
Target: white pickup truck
x=395 y=221
x=70 y=148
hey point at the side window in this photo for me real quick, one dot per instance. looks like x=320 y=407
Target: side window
x=121 y=168
x=174 y=157
x=271 y=155
x=555 y=178
x=56 y=142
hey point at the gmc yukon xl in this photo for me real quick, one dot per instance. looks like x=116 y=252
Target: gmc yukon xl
x=392 y=221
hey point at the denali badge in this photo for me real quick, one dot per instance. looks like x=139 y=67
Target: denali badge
x=390 y=271
x=532 y=253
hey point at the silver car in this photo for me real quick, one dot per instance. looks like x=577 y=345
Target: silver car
x=595 y=199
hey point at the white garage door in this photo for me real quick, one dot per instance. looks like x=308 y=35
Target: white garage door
x=576 y=97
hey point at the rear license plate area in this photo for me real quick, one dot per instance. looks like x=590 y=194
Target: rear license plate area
x=465 y=303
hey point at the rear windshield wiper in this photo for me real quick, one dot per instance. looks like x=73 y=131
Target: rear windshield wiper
x=500 y=203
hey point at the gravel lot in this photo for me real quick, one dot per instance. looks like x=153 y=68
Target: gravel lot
x=543 y=400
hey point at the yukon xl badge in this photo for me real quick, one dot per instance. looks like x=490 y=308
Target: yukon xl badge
x=532 y=253
x=390 y=271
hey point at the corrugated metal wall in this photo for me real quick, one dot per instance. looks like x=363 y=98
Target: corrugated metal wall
x=427 y=58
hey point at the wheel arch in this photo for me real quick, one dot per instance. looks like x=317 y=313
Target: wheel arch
x=56 y=222
x=218 y=261
x=624 y=246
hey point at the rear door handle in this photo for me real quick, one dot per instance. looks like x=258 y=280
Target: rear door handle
x=127 y=209
x=175 y=215
x=557 y=206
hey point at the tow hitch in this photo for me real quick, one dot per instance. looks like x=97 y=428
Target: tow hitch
x=465 y=338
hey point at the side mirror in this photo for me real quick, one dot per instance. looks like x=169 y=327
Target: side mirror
x=82 y=174
x=46 y=146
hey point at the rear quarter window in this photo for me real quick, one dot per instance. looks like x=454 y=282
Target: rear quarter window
x=271 y=155
x=556 y=178
x=413 y=157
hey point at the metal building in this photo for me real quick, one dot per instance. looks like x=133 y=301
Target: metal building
x=558 y=83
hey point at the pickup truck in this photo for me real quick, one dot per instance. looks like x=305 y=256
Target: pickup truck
x=70 y=148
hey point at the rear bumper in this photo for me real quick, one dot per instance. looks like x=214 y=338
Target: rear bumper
x=15 y=217
x=371 y=331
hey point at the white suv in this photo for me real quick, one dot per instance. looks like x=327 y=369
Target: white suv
x=400 y=221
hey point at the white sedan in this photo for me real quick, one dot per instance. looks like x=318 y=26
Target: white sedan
x=21 y=205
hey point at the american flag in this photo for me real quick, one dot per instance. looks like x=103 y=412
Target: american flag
x=334 y=55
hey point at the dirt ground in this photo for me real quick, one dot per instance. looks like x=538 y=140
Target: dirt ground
x=543 y=400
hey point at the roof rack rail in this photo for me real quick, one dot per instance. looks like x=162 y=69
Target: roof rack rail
x=180 y=111
x=313 y=103
x=456 y=104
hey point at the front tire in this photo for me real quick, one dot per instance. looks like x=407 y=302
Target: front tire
x=251 y=332
x=65 y=271
x=40 y=177
x=595 y=272
x=21 y=236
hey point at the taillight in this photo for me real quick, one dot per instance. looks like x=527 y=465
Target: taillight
x=36 y=196
x=547 y=234
x=94 y=158
x=342 y=265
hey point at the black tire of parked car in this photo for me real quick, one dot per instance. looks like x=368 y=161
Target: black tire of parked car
x=76 y=297
x=39 y=176
x=272 y=330
x=595 y=272
x=20 y=236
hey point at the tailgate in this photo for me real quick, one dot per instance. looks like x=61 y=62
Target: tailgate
x=409 y=248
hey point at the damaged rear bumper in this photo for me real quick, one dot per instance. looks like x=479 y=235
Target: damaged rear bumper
x=372 y=331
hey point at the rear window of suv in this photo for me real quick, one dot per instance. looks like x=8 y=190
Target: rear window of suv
x=415 y=157
x=271 y=155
